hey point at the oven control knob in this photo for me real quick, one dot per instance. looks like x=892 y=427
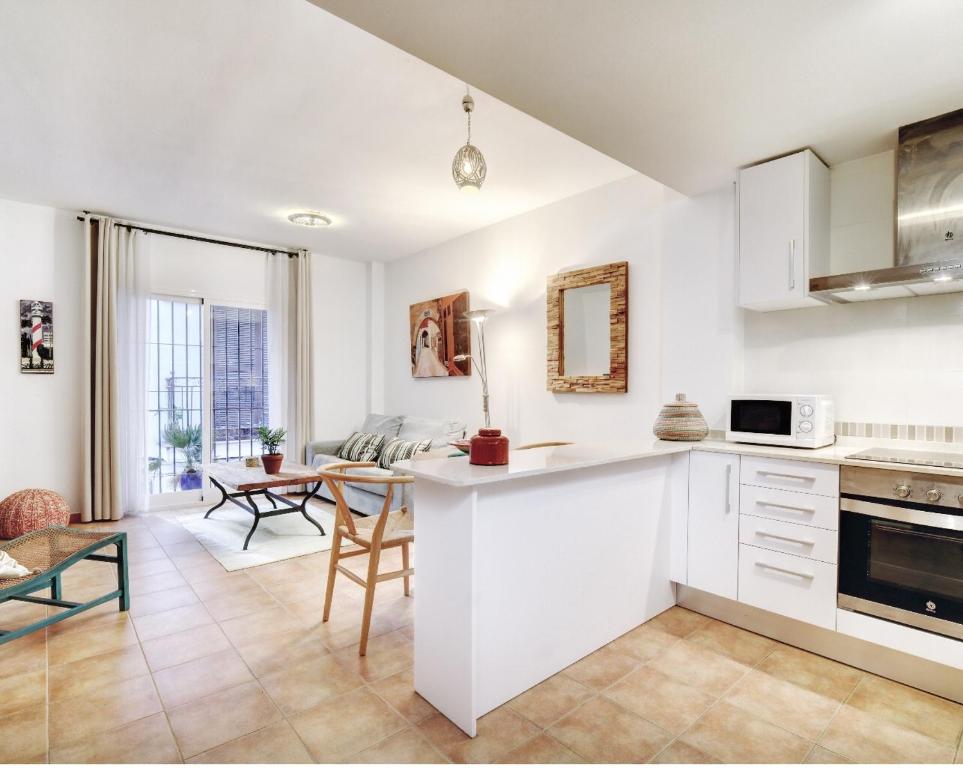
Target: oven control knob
x=805 y=426
x=903 y=491
x=933 y=495
x=806 y=411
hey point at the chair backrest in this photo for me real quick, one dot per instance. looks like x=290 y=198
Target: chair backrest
x=335 y=475
x=548 y=444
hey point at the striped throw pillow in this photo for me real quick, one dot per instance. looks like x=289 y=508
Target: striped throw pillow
x=397 y=449
x=361 y=446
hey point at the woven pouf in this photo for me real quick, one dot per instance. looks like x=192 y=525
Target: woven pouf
x=31 y=510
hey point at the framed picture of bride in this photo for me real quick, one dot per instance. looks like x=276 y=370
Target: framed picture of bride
x=440 y=337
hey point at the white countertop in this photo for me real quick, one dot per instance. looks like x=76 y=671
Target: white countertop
x=542 y=461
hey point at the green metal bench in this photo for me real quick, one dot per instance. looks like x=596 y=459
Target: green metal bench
x=51 y=551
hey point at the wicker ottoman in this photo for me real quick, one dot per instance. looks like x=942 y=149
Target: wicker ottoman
x=31 y=510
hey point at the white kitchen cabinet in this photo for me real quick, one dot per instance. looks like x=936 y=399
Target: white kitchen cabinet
x=783 y=231
x=713 y=529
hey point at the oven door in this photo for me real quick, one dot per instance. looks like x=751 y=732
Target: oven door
x=902 y=563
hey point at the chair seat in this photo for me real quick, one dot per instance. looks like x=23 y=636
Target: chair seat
x=398 y=529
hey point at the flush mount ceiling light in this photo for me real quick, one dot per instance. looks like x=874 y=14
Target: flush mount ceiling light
x=468 y=168
x=309 y=219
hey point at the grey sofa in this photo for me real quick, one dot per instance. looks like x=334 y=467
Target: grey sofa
x=365 y=498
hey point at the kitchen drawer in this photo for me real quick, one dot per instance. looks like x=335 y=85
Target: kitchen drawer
x=788 y=585
x=789 y=506
x=790 y=538
x=805 y=476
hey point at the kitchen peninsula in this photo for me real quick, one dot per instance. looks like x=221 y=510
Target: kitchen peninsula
x=526 y=568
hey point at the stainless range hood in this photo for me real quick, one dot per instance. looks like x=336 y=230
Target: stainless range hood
x=929 y=220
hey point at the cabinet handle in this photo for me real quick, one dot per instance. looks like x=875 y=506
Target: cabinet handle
x=775 y=505
x=805 y=542
x=728 y=488
x=804 y=478
x=791 y=572
x=792 y=264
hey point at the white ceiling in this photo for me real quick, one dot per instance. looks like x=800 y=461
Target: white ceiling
x=222 y=116
x=686 y=91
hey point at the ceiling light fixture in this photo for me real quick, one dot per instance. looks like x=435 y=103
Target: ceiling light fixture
x=309 y=219
x=862 y=287
x=942 y=278
x=468 y=168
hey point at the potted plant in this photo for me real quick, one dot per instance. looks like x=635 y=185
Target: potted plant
x=188 y=441
x=270 y=440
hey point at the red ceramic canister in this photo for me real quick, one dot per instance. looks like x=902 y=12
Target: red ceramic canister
x=489 y=447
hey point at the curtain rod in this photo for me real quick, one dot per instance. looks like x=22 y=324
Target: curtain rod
x=198 y=238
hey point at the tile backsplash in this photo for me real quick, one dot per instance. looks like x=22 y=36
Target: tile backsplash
x=924 y=432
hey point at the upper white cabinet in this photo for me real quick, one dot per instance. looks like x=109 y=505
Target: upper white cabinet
x=783 y=231
x=713 y=530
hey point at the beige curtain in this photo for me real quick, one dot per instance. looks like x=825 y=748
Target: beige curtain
x=116 y=293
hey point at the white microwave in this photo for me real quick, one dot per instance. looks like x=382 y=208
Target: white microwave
x=797 y=421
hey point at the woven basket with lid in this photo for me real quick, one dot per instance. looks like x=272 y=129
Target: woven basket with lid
x=681 y=420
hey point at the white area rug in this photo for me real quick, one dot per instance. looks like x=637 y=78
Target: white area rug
x=276 y=538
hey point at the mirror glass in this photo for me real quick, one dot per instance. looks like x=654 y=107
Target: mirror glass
x=587 y=331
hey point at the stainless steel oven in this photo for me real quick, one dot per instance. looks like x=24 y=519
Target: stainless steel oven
x=901 y=546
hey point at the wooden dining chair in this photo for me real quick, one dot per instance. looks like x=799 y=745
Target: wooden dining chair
x=548 y=444
x=389 y=529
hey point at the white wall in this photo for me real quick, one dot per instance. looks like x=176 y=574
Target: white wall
x=686 y=243
x=41 y=257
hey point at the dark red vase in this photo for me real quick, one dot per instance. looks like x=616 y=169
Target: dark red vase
x=272 y=463
x=489 y=448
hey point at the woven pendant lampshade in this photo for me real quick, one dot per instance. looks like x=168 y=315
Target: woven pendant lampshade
x=469 y=169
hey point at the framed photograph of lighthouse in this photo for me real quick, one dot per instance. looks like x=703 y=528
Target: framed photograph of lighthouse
x=36 y=336
x=440 y=337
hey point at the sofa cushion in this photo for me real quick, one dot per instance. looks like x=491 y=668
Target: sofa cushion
x=439 y=431
x=380 y=424
x=362 y=446
x=322 y=459
x=397 y=449
x=381 y=489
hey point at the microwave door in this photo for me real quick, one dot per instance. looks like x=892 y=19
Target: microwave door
x=762 y=417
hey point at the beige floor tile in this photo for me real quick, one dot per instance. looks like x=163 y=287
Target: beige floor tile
x=186 y=645
x=221 y=717
x=260 y=626
x=282 y=652
x=201 y=677
x=551 y=699
x=822 y=756
x=734 y=736
x=223 y=583
x=71 y=646
x=399 y=691
x=542 y=750
x=346 y=725
x=27 y=689
x=789 y=706
x=678 y=621
x=406 y=747
x=864 y=738
x=738 y=644
x=663 y=700
x=386 y=655
x=176 y=548
x=285 y=570
x=302 y=686
x=25 y=654
x=816 y=673
x=499 y=732
x=911 y=708
x=169 y=622
x=600 y=669
x=23 y=735
x=165 y=600
x=234 y=603
x=144 y=741
x=694 y=665
x=155 y=583
x=100 y=709
x=277 y=743
x=678 y=752
x=137 y=569
x=78 y=677
x=602 y=731
x=644 y=643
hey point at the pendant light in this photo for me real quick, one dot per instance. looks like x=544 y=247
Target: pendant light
x=468 y=168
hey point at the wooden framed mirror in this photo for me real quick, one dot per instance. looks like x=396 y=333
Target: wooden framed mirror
x=588 y=326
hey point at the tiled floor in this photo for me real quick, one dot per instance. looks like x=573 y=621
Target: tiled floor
x=211 y=666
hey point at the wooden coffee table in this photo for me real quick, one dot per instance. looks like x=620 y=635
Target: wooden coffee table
x=249 y=482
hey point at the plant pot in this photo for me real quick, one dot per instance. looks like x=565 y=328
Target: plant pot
x=190 y=480
x=272 y=463
x=488 y=448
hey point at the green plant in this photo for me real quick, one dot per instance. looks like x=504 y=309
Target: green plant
x=271 y=438
x=185 y=439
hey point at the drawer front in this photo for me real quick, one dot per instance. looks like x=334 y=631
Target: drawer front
x=789 y=506
x=805 y=476
x=788 y=585
x=790 y=538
